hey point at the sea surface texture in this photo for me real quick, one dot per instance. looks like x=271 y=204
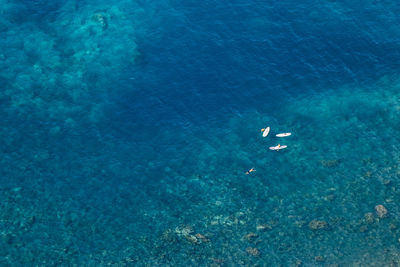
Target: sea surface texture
x=127 y=128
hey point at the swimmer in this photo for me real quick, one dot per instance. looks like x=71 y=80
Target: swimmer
x=251 y=170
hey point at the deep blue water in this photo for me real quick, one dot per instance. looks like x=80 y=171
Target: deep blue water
x=127 y=128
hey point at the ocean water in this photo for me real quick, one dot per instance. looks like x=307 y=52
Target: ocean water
x=127 y=128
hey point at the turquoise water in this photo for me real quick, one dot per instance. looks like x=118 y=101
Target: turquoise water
x=127 y=128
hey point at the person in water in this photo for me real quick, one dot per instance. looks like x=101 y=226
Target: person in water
x=251 y=170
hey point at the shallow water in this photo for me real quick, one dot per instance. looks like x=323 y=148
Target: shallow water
x=127 y=128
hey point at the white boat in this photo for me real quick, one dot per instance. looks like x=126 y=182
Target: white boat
x=283 y=134
x=278 y=147
x=265 y=131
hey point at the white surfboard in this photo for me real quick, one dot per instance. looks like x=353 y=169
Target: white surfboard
x=265 y=131
x=278 y=147
x=283 y=134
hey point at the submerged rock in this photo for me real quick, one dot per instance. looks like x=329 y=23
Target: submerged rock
x=263 y=227
x=298 y=263
x=192 y=239
x=253 y=251
x=317 y=225
x=387 y=182
x=187 y=232
x=250 y=236
x=101 y=19
x=330 y=197
x=381 y=211
x=330 y=163
x=201 y=238
x=363 y=228
x=217 y=262
x=300 y=223
x=168 y=236
x=369 y=217
x=184 y=230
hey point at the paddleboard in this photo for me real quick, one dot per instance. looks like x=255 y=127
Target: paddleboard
x=283 y=134
x=277 y=147
x=265 y=131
